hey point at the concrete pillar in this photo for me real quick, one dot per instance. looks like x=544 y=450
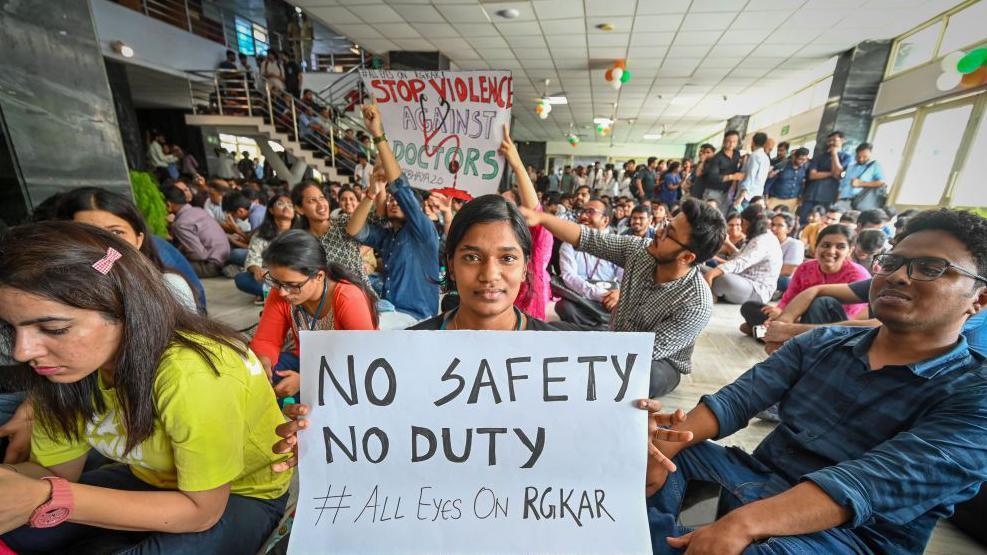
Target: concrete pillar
x=294 y=175
x=739 y=124
x=60 y=119
x=856 y=79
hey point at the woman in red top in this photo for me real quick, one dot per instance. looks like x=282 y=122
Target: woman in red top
x=307 y=293
x=832 y=264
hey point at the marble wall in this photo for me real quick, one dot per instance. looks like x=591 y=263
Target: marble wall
x=56 y=101
x=856 y=79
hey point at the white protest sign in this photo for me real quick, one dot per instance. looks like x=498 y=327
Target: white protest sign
x=445 y=126
x=473 y=442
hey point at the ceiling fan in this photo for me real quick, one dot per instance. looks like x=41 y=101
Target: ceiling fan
x=553 y=98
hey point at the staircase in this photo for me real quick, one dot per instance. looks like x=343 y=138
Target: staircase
x=232 y=102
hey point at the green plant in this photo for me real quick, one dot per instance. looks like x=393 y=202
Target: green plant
x=150 y=202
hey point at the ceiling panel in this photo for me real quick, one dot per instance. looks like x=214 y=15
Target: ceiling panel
x=691 y=53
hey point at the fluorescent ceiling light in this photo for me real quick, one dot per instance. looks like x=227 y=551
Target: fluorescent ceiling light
x=604 y=121
x=556 y=99
x=652 y=136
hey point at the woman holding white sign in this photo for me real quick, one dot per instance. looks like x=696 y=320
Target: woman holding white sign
x=113 y=363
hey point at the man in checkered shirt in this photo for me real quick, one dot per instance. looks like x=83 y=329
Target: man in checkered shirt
x=662 y=291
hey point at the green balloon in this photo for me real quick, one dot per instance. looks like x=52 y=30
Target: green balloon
x=972 y=61
x=625 y=77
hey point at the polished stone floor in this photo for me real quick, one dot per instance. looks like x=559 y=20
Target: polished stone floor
x=721 y=355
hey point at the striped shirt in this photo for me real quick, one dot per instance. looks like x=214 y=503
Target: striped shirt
x=898 y=446
x=676 y=312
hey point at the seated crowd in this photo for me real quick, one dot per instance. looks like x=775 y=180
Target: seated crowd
x=135 y=423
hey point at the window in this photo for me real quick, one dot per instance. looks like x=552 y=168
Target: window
x=964 y=28
x=932 y=158
x=889 y=142
x=917 y=48
x=969 y=187
x=251 y=38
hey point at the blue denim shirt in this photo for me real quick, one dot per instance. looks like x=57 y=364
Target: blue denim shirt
x=897 y=446
x=410 y=254
x=787 y=183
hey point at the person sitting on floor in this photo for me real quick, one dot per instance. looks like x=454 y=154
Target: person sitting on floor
x=118 y=215
x=307 y=293
x=751 y=275
x=113 y=364
x=592 y=279
x=882 y=430
x=409 y=245
x=792 y=250
x=278 y=218
x=832 y=264
x=197 y=234
x=662 y=291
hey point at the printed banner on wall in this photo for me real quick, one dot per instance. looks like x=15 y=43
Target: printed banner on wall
x=445 y=126
x=473 y=442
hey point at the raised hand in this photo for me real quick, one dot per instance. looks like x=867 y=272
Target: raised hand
x=440 y=202
x=371 y=118
x=509 y=150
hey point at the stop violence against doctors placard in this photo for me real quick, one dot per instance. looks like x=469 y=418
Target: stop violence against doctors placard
x=445 y=126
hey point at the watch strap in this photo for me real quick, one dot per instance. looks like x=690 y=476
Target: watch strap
x=382 y=138
x=59 y=506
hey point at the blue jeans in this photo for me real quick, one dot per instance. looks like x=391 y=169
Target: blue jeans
x=246 y=282
x=783 y=282
x=245 y=524
x=744 y=480
x=237 y=256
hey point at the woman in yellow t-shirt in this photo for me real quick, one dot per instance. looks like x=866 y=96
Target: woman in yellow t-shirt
x=177 y=402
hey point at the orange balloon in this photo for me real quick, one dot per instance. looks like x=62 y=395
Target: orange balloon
x=974 y=78
x=622 y=64
x=539 y=108
x=609 y=75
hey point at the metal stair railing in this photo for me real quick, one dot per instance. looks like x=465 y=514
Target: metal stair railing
x=236 y=93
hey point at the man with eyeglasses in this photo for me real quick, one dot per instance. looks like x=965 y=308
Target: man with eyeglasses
x=594 y=282
x=882 y=429
x=662 y=291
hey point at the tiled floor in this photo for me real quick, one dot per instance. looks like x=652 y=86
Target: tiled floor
x=721 y=355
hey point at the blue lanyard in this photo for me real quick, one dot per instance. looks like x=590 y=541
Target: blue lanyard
x=322 y=304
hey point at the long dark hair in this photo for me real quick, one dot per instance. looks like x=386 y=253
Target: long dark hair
x=96 y=198
x=298 y=195
x=481 y=210
x=54 y=260
x=268 y=229
x=759 y=224
x=302 y=252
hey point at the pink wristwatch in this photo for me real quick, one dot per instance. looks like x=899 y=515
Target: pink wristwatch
x=58 y=508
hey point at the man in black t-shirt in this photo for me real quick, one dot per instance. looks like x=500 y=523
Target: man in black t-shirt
x=721 y=171
x=645 y=180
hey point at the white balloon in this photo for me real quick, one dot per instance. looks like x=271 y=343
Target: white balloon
x=546 y=108
x=615 y=84
x=948 y=62
x=543 y=114
x=616 y=73
x=948 y=81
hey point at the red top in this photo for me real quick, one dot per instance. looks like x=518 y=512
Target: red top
x=809 y=274
x=350 y=311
